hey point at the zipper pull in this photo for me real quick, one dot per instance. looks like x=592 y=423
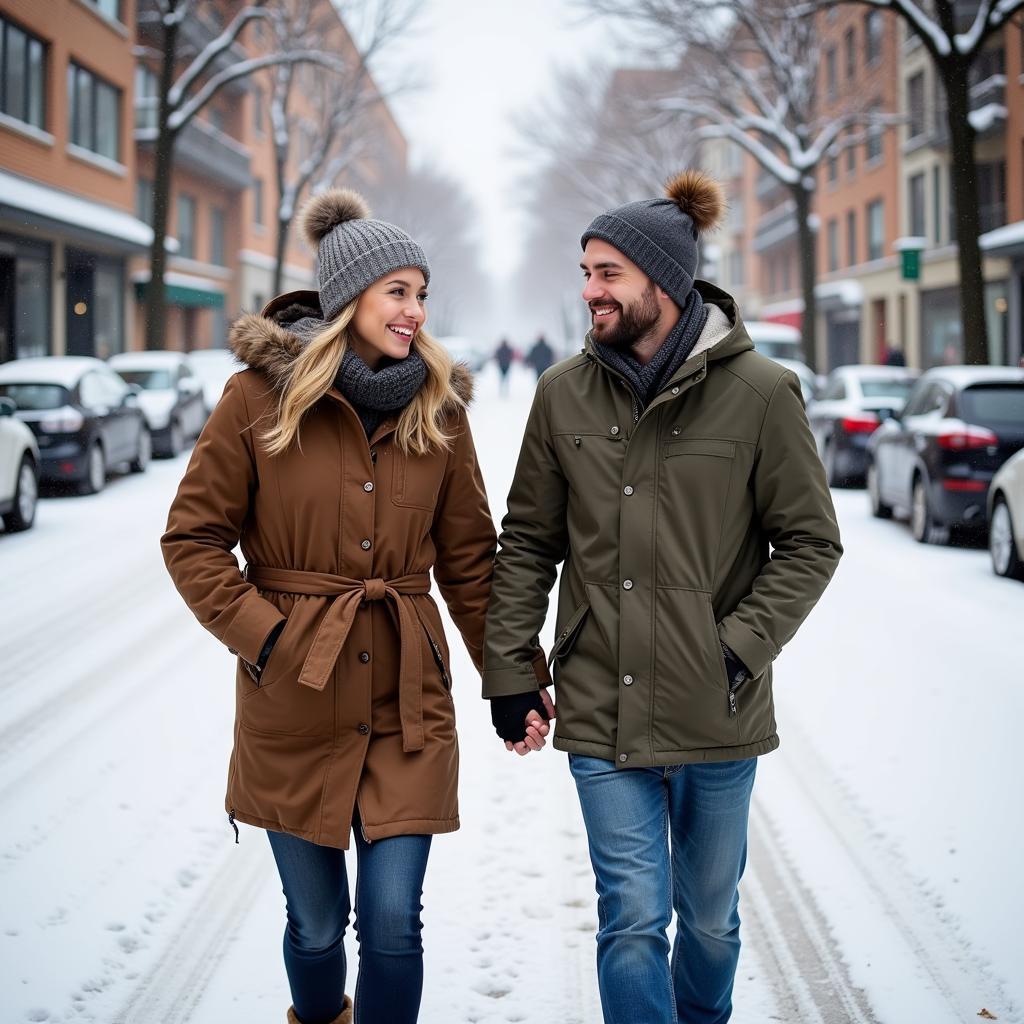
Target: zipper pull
x=578 y=441
x=231 y=822
x=732 y=703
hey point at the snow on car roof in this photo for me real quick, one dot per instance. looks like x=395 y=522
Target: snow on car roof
x=66 y=371
x=962 y=376
x=145 y=360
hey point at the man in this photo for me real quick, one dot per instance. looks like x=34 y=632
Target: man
x=540 y=356
x=661 y=465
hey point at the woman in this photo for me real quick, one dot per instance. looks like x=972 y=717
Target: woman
x=342 y=461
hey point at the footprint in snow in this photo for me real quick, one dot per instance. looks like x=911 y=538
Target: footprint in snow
x=37 y=1014
x=115 y=926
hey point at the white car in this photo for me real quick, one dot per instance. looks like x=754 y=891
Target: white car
x=777 y=341
x=171 y=396
x=808 y=381
x=1006 y=518
x=19 y=470
x=213 y=366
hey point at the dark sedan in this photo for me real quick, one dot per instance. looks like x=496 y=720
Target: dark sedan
x=85 y=418
x=853 y=403
x=935 y=461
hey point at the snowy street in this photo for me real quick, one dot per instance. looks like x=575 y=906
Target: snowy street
x=883 y=877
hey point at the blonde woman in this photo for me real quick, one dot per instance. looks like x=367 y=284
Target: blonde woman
x=342 y=461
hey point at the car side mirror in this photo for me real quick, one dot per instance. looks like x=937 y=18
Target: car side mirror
x=7 y=407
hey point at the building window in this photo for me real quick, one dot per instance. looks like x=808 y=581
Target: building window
x=22 y=75
x=144 y=200
x=94 y=111
x=147 y=98
x=831 y=78
x=186 y=227
x=850 y=45
x=851 y=159
x=992 y=194
x=873 y=149
x=872 y=36
x=876 y=230
x=915 y=105
x=833 y=245
x=257 y=201
x=851 y=238
x=111 y=8
x=217 y=249
x=257 y=109
x=736 y=267
x=916 y=204
x=833 y=168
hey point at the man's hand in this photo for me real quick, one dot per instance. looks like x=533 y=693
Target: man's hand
x=520 y=719
x=536 y=729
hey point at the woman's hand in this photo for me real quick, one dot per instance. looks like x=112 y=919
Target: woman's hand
x=536 y=728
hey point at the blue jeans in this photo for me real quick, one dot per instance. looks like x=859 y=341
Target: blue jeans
x=389 y=887
x=630 y=816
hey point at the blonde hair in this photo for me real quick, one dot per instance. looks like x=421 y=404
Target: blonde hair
x=421 y=426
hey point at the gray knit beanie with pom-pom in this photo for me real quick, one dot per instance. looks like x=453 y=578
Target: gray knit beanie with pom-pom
x=354 y=251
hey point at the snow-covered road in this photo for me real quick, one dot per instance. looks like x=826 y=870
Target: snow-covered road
x=882 y=884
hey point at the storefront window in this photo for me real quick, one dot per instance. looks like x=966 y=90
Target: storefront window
x=108 y=300
x=25 y=274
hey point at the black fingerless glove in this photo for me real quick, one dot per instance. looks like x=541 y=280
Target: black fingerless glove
x=508 y=714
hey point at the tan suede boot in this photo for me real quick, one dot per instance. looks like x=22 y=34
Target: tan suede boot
x=345 y=1017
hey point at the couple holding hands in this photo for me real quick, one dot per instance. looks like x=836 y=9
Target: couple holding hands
x=668 y=467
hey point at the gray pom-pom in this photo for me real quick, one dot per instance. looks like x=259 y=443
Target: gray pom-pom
x=326 y=211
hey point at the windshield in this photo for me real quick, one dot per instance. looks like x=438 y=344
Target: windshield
x=34 y=397
x=780 y=349
x=148 y=380
x=995 y=403
x=897 y=387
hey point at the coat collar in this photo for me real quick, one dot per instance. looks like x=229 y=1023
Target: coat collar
x=263 y=342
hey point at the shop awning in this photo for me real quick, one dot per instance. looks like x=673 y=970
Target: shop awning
x=185 y=290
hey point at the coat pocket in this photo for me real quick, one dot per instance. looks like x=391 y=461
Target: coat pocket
x=416 y=479
x=700 y=446
x=568 y=635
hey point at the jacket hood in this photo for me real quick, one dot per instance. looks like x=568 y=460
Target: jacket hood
x=265 y=342
x=723 y=335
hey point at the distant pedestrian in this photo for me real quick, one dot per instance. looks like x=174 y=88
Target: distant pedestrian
x=344 y=717
x=671 y=472
x=503 y=356
x=895 y=357
x=541 y=356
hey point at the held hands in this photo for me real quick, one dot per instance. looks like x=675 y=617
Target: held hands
x=521 y=720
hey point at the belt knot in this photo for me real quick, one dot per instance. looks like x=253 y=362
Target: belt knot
x=375 y=590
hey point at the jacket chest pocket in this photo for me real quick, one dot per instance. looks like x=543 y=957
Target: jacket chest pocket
x=416 y=479
x=590 y=461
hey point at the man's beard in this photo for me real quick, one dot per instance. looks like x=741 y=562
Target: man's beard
x=635 y=322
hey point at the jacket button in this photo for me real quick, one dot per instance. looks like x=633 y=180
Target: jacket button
x=627 y=584
x=628 y=680
x=675 y=391
x=363 y=729
x=676 y=431
x=623 y=757
x=627 y=490
x=368 y=486
x=365 y=545
x=614 y=430
x=364 y=656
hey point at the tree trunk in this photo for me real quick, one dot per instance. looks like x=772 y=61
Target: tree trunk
x=964 y=179
x=281 y=247
x=163 y=156
x=808 y=243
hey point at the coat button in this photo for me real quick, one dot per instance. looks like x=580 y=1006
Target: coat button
x=676 y=431
x=627 y=584
x=675 y=391
x=368 y=486
x=628 y=680
x=623 y=757
x=364 y=656
x=614 y=430
x=365 y=545
x=364 y=729
x=627 y=490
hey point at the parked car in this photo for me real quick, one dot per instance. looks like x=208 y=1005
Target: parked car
x=777 y=341
x=19 y=470
x=213 y=367
x=852 y=404
x=86 y=420
x=807 y=377
x=171 y=397
x=934 y=462
x=1006 y=518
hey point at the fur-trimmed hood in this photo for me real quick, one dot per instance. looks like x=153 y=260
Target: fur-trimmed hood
x=263 y=341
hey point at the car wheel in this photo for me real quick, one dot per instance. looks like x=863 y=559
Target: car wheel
x=1002 y=544
x=831 y=475
x=878 y=508
x=177 y=440
x=144 y=453
x=922 y=525
x=95 y=472
x=23 y=514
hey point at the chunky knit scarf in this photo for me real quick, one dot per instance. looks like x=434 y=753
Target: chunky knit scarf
x=647 y=380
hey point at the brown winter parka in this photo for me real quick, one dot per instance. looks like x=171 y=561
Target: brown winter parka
x=354 y=705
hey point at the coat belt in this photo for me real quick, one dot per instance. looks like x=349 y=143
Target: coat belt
x=346 y=597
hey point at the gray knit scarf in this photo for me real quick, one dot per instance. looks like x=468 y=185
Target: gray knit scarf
x=374 y=394
x=648 y=380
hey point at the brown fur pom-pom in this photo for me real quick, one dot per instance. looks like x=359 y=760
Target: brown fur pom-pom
x=329 y=209
x=699 y=196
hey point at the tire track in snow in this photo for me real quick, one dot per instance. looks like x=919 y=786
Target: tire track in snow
x=174 y=986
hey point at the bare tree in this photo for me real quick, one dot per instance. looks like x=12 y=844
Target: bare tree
x=181 y=94
x=748 y=74
x=344 y=99
x=954 y=33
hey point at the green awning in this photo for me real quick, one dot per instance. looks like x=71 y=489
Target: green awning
x=182 y=295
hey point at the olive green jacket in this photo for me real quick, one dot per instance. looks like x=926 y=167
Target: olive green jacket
x=705 y=518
